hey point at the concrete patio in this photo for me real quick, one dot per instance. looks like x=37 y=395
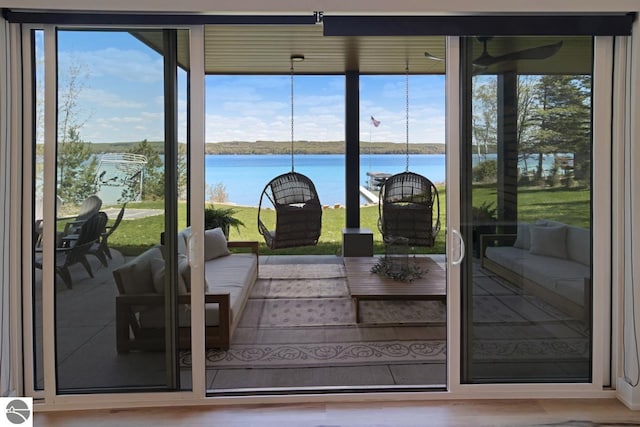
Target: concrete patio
x=87 y=356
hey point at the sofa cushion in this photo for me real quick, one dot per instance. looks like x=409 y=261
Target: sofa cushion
x=229 y=271
x=507 y=256
x=549 y=240
x=215 y=244
x=562 y=276
x=233 y=275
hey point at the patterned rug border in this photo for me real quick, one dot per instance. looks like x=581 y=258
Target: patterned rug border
x=531 y=350
x=324 y=354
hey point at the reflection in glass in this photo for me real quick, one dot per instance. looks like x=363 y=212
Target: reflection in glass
x=529 y=170
x=110 y=173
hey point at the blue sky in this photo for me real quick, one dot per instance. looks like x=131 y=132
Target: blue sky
x=122 y=100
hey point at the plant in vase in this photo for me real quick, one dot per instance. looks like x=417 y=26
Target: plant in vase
x=221 y=217
x=484 y=222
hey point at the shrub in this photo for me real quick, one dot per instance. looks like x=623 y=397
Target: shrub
x=485 y=171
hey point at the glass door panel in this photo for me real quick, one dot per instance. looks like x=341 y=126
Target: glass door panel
x=114 y=270
x=402 y=130
x=36 y=39
x=298 y=328
x=526 y=209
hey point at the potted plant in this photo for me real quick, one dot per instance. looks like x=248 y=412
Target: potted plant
x=221 y=217
x=484 y=222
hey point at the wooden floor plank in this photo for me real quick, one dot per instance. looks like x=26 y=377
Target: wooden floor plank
x=532 y=412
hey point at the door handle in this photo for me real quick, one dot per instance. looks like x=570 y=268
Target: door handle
x=461 y=245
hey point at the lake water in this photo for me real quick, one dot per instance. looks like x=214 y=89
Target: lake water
x=244 y=176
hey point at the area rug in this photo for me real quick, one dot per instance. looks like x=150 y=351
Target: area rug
x=511 y=327
x=269 y=313
x=513 y=309
x=301 y=271
x=261 y=313
x=292 y=321
x=301 y=315
x=300 y=288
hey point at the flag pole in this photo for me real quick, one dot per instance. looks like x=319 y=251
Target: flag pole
x=370 y=132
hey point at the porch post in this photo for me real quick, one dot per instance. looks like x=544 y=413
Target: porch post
x=356 y=241
x=507 y=148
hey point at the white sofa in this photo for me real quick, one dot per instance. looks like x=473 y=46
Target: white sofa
x=549 y=259
x=140 y=301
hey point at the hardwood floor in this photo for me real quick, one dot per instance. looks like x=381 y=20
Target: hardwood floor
x=556 y=412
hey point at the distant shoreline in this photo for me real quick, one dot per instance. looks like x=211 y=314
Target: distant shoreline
x=284 y=147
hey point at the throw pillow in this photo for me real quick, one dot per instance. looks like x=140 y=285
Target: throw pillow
x=523 y=240
x=184 y=271
x=157 y=271
x=215 y=244
x=549 y=241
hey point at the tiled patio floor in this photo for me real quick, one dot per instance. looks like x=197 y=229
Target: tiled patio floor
x=87 y=357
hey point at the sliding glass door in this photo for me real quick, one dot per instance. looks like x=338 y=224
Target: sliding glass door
x=526 y=167
x=513 y=302
x=107 y=203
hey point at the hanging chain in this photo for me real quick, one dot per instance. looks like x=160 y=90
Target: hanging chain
x=406 y=94
x=292 y=166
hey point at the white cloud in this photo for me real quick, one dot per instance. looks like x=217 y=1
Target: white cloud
x=246 y=128
x=129 y=64
x=264 y=108
x=108 y=99
x=135 y=127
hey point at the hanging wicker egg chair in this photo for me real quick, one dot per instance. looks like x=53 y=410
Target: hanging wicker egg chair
x=409 y=207
x=295 y=201
x=298 y=212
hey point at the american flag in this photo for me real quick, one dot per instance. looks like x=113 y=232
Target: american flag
x=375 y=122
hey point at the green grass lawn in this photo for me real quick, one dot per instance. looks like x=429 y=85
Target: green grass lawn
x=569 y=205
x=134 y=236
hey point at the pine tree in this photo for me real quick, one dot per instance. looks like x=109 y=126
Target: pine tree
x=564 y=119
x=76 y=168
x=153 y=184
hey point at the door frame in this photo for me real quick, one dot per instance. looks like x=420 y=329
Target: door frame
x=601 y=273
x=602 y=352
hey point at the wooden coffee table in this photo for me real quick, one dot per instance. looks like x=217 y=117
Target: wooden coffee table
x=365 y=285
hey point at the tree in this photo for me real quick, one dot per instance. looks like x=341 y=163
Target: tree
x=564 y=119
x=153 y=184
x=76 y=163
x=485 y=114
x=527 y=129
x=76 y=169
x=182 y=171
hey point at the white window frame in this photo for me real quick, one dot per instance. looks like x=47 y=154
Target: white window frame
x=601 y=271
